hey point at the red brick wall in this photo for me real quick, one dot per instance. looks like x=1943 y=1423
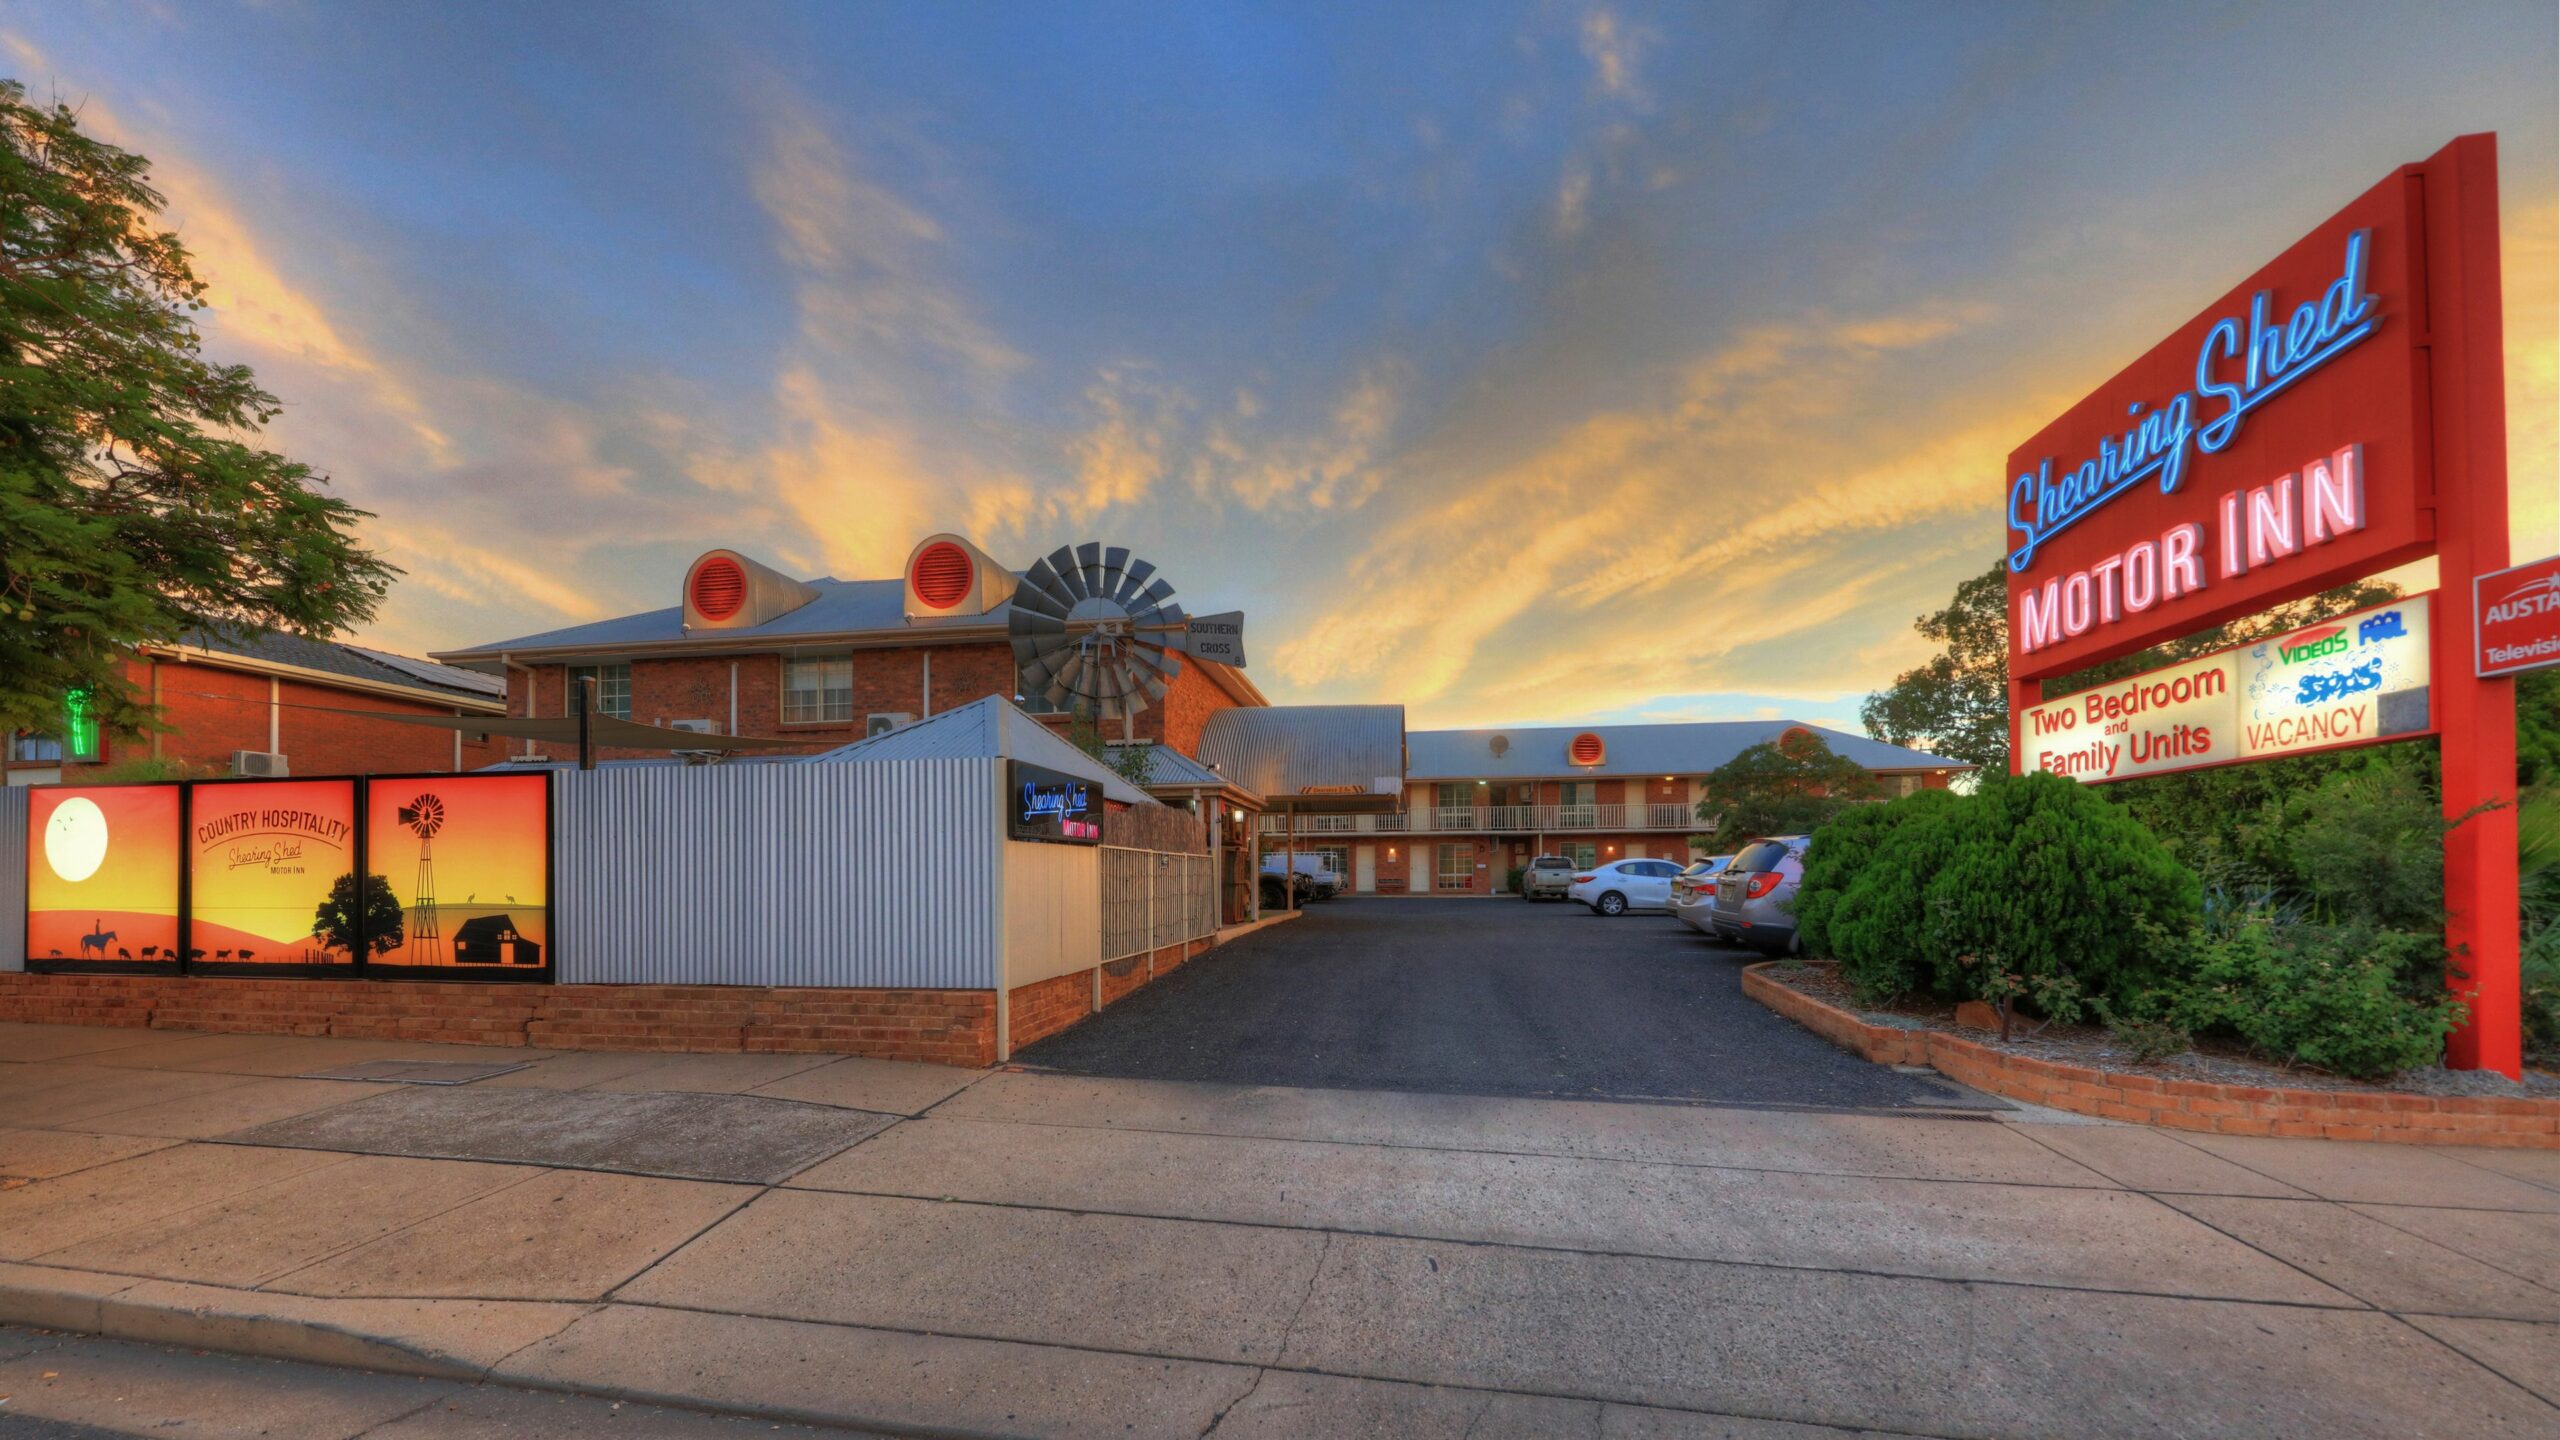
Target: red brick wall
x=950 y=1027
x=1036 y=1011
x=214 y=710
x=885 y=682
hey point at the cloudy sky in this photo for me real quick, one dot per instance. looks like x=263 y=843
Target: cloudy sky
x=1521 y=362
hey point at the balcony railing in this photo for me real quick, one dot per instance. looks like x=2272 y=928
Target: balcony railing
x=1497 y=819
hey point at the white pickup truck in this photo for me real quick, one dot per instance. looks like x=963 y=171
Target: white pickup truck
x=1317 y=880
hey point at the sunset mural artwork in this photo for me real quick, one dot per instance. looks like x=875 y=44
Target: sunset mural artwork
x=467 y=858
x=102 y=875
x=262 y=857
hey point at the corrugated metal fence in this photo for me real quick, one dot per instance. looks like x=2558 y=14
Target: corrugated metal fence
x=1151 y=899
x=13 y=877
x=869 y=874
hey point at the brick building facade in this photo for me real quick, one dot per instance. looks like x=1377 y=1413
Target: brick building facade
x=1479 y=804
x=825 y=662
x=272 y=694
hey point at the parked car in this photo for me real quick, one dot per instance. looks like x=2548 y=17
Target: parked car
x=1624 y=885
x=1755 y=895
x=1693 y=894
x=1316 y=879
x=1547 y=878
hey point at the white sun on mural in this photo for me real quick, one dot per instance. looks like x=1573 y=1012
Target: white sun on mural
x=75 y=839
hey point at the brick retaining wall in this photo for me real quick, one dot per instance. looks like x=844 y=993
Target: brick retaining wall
x=944 y=1027
x=2175 y=1104
x=1036 y=1011
x=950 y=1027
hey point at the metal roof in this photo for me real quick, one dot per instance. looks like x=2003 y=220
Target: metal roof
x=843 y=607
x=992 y=728
x=329 y=657
x=1672 y=748
x=1291 y=754
x=1167 y=766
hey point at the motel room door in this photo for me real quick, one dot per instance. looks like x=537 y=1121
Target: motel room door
x=1364 y=879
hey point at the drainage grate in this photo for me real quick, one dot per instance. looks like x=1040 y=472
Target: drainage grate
x=420 y=1072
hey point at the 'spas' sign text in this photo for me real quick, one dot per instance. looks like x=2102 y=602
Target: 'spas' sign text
x=2359 y=678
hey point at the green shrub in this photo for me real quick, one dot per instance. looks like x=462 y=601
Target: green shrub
x=1841 y=849
x=1876 y=928
x=2327 y=996
x=2033 y=887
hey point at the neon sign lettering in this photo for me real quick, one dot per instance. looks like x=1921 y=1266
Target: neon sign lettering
x=2163 y=442
x=1063 y=802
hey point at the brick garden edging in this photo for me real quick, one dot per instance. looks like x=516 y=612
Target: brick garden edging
x=2174 y=1104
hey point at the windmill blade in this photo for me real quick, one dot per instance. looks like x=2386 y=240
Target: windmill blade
x=1089 y=564
x=1139 y=571
x=1025 y=622
x=1039 y=590
x=1153 y=596
x=1115 y=571
x=1070 y=580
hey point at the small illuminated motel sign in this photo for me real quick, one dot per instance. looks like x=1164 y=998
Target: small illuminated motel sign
x=1047 y=805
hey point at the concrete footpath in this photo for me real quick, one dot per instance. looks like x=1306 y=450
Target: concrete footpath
x=917 y=1250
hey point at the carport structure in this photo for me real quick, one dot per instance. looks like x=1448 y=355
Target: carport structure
x=1310 y=761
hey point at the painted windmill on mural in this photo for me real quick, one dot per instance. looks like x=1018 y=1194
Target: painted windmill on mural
x=425 y=816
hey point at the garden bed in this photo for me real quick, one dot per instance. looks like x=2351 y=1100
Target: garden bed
x=2085 y=1070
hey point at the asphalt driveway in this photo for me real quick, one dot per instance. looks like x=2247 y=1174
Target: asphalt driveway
x=1486 y=997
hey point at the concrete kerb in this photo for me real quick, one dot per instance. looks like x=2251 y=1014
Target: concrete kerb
x=2171 y=1104
x=260 y=1325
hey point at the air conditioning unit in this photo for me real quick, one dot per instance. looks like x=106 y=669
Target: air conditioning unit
x=695 y=727
x=259 y=762
x=882 y=722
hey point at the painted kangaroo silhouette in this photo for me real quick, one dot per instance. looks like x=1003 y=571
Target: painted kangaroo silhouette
x=96 y=940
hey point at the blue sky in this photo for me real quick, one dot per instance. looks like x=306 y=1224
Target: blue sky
x=1524 y=363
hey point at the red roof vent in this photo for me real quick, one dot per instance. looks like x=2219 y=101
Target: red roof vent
x=1586 y=749
x=719 y=588
x=942 y=574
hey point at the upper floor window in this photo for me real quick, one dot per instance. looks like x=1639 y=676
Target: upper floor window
x=817 y=690
x=613 y=689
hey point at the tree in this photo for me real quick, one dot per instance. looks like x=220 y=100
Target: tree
x=131 y=507
x=1784 y=787
x=1957 y=704
x=381 y=923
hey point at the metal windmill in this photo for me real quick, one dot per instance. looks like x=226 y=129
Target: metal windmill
x=425 y=816
x=1095 y=631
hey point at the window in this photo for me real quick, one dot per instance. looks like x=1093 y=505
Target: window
x=1576 y=803
x=1582 y=853
x=1903 y=784
x=613 y=689
x=1457 y=868
x=35 y=749
x=817 y=691
x=79 y=727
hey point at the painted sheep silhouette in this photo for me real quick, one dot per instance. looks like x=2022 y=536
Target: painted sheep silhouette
x=96 y=940
x=195 y=954
x=245 y=954
x=150 y=950
x=123 y=954
x=221 y=954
